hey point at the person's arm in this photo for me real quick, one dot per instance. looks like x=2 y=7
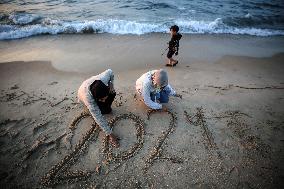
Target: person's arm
x=171 y=44
x=111 y=87
x=111 y=84
x=111 y=76
x=111 y=81
x=97 y=115
x=173 y=92
x=147 y=99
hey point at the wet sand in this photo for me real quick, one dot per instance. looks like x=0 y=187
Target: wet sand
x=226 y=131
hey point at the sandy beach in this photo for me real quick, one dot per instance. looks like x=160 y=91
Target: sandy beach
x=226 y=131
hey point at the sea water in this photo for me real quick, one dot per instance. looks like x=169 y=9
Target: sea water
x=24 y=18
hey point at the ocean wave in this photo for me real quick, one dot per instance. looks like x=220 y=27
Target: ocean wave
x=219 y=27
x=49 y=26
x=194 y=26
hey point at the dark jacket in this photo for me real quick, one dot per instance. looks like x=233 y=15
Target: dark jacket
x=174 y=42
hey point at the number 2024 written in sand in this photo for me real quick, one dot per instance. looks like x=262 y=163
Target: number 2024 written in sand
x=60 y=172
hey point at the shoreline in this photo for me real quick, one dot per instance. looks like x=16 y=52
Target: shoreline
x=84 y=53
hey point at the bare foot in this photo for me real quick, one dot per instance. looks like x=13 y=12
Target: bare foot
x=175 y=63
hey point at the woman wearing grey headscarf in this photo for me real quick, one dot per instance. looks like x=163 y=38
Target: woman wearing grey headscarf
x=153 y=87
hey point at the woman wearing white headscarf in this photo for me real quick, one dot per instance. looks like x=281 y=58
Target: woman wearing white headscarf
x=153 y=87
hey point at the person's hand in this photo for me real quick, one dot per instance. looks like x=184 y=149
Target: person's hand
x=178 y=95
x=164 y=108
x=113 y=140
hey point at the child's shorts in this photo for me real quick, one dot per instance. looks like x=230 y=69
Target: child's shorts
x=170 y=53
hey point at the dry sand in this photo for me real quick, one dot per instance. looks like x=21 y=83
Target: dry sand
x=226 y=131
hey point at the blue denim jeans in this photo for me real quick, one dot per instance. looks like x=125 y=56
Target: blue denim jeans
x=162 y=96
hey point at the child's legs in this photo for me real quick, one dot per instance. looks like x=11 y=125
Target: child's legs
x=172 y=60
x=170 y=55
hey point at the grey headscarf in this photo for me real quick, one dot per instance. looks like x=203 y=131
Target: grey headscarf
x=160 y=78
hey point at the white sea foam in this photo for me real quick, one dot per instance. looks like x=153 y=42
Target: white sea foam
x=121 y=27
x=193 y=26
x=218 y=27
x=49 y=26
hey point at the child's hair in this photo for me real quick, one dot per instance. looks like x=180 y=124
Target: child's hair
x=174 y=28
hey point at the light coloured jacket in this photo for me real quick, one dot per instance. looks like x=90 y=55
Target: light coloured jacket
x=85 y=96
x=145 y=86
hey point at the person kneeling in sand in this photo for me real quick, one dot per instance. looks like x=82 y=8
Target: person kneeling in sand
x=153 y=87
x=98 y=93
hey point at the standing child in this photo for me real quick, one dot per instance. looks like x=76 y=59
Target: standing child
x=173 y=45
